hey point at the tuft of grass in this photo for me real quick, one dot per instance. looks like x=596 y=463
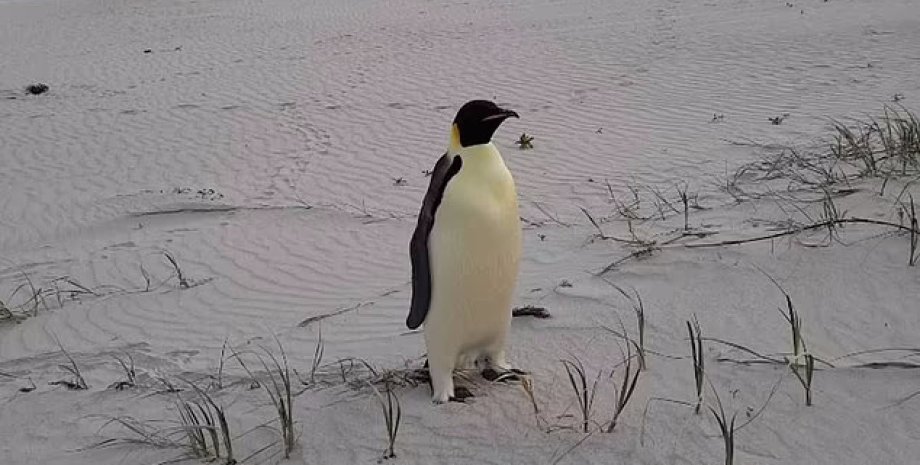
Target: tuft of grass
x=35 y=299
x=279 y=389
x=77 y=382
x=194 y=430
x=626 y=390
x=584 y=393
x=888 y=145
x=392 y=415
x=127 y=365
x=204 y=420
x=699 y=367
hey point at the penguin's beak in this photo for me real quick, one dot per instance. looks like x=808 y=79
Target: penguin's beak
x=502 y=115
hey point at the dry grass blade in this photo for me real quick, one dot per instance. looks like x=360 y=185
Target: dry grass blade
x=726 y=427
x=914 y=233
x=600 y=232
x=699 y=368
x=795 y=326
x=639 y=309
x=220 y=367
x=568 y=450
x=142 y=434
x=317 y=356
x=627 y=388
x=183 y=282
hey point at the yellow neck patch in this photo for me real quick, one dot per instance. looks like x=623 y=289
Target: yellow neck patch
x=454 y=144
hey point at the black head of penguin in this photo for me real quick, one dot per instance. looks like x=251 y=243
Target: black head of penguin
x=477 y=121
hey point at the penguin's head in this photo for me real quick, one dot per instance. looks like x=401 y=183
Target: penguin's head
x=476 y=121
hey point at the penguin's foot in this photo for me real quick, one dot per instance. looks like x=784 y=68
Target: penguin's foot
x=503 y=376
x=421 y=376
x=461 y=394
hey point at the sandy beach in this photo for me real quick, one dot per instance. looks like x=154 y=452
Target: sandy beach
x=214 y=181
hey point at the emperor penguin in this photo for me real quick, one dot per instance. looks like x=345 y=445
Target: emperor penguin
x=465 y=251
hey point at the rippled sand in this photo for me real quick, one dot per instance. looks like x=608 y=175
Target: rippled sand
x=277 y=151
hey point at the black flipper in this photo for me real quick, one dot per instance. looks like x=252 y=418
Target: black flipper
x=444 y=170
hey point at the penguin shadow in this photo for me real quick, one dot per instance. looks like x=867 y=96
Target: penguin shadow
x=463 y=381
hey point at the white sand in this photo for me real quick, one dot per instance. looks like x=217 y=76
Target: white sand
x=283 y=105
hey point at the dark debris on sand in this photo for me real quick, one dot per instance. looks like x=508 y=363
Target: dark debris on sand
x=530 y=310
x=36 y=89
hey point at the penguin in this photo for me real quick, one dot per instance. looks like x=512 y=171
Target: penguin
x=465 y=251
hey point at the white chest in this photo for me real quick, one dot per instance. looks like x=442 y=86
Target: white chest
x=481 y=196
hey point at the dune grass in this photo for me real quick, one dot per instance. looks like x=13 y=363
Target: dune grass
x=911 y=213
x=183 y=281
x=802 y=363
x=795 y=329
x=805 y=374
x=627 y=387
x=143 y=433
x=34 y=300
x=584 y=391
x=219 y=378
x=279 y=390
x=392 y=415
x=127 y=365
x=77 y=381
x=726 y=427
x=699 y=364
x=638 y=306
x=318 y=351
x=204 y=420
x=888 y=145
